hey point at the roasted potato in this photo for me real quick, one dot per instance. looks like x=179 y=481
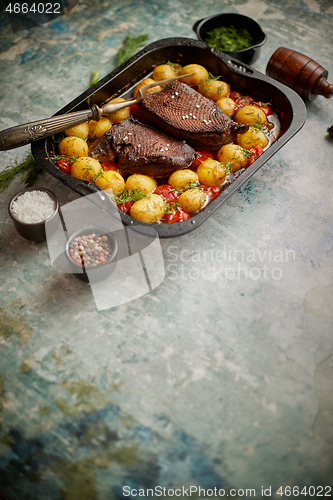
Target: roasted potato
x=201 y=74
x=233 y=156
x=111 y=180
x=192 y=200
x=141 y=183
x=180 y=178
x=149 y=209
x=164 y=71
x=212 y=172
x=121 y=114
x=214 y=89
x=98 y=128
x=81 y=130
x=250 y=115
x=227 y=105
x=144 y=82
x=73 y=146
x=85 y=168
x=252 y=138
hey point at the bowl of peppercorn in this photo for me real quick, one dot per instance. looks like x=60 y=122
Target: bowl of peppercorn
x=92 y=253
x=239 y=36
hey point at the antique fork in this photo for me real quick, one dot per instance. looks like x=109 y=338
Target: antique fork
x=20 y=135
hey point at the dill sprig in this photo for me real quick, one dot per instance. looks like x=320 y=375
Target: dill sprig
x=131 y=45
x=28 y=165
x=62 y=157
x=129 y=195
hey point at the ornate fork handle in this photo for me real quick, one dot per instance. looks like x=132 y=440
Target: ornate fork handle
x=20 y=135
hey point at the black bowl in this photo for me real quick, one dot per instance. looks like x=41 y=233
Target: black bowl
x=248 y=55
x=101 y=271
x=33 y=231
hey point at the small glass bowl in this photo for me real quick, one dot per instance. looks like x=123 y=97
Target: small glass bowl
x=101 y=271
x=33 y=231
x=248 y=55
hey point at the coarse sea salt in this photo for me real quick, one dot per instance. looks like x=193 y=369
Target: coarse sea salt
x=33 y=206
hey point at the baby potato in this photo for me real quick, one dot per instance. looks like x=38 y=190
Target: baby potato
x=250 y=115
x=180 y=178
x=144 y=82
x=192 y=200
x=73 y=146
x=97 y=129
x=252 y=138
x=214 y=89
x=81 y=130
x=149 y=209
x=141 y=183
x=121 y=114
x=233 y=156
x=164 y=71
x=200 y=76
x=111 y=180
x=212 y=172
x=227 y=105
x=85 y=168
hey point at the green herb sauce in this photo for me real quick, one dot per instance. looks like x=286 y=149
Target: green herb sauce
x=229 y=38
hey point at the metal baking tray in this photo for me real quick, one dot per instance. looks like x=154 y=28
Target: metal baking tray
x=120 y=82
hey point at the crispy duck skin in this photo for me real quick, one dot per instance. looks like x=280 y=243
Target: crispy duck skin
x=185 y=114
x=144 y=150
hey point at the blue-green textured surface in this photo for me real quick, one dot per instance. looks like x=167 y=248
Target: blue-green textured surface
x=216 y=378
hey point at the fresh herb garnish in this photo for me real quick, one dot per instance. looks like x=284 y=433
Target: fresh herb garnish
x=258 y=127
x=131 y=45
x=171 y=207
x=229 y=38
x=177 y=67
x=63 y=157
x=28 y=165
x=94 y=77
x=129 y=195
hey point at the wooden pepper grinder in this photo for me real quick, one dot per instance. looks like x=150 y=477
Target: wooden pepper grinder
x=299 y=72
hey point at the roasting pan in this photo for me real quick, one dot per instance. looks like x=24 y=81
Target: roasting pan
x=120 y=83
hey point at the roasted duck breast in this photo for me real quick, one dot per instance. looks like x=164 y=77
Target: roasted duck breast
x=185 y=114
x=142 y=149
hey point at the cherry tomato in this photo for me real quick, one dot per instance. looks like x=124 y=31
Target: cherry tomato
x=168 y=193
x=109 y=165
x=256 y=152
x=136 y=111
x=201 y=155
x=265 y=107
x=176 y=216
x=64 y=166
x=234 y=95
x=211 y=191
x=243 y=101
x=112 y=165
x=126 y=207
